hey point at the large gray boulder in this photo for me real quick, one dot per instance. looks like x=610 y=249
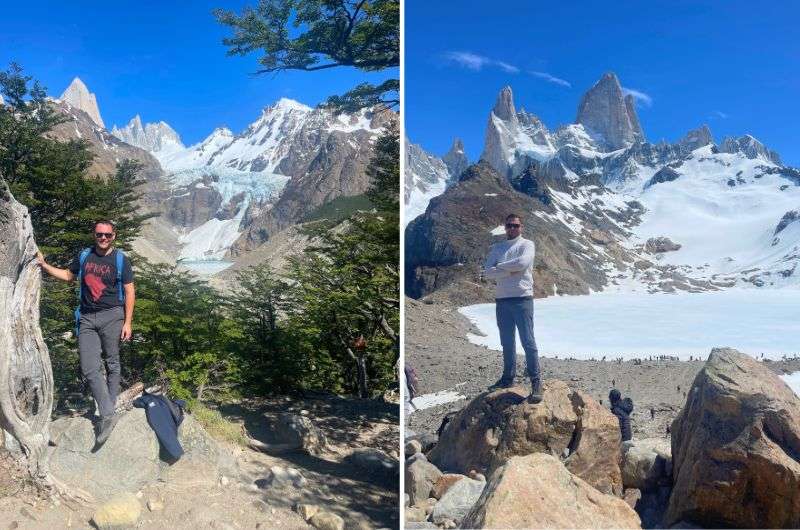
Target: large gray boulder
x=420 y=477
x=130 y=459
x=456 y=503
x=736 y=448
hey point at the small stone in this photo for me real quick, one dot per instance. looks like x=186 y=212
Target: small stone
x=224 y=481
x=327 y=521
x=121 y=511
x=155 y=505
x=139 y=494
x=449 y=523
x=307 y=511
x=304 y=412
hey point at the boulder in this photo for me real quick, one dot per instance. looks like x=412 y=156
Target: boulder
x=736 y=448
x=324 y=520
x=420 y=477
x=282 y=477
x=645 y=463
x=415 y=514
x=444 y=483
x=307 y=511
x=121 y=511
x=412 y=447
x=458 y=501
x=498 y=425
x=374 y=462
x=659 y=245
x=130 y=458
x=537 y=491
x=296 y=432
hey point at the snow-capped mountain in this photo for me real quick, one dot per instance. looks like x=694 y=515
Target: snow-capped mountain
x=78 y=96
x=427 y=176
x=158 y=138
x=689 y=215
x=289 y=161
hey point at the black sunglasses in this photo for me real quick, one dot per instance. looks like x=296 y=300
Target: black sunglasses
x=513 y=225
x=107 y=235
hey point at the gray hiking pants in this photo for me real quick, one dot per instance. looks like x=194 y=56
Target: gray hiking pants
x=517 y=314
x=99 y=337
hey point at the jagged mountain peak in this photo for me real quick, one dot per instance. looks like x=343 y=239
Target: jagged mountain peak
x=696 y=138
x=158 y=138
x=749 y=146
x=77 y=95
x=504 y=107
x=455 y=159
x=288 y=104
x=608 y=113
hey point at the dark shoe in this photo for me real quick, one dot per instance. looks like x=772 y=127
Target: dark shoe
x=536 y=391
x=105 y=427
x=502 y=383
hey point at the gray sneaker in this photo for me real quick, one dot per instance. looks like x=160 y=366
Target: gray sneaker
x=106 y=425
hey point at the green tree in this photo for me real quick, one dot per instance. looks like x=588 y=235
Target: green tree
x=313 y=35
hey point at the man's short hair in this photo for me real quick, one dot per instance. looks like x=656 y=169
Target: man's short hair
x=512 y=216
x=105 y=222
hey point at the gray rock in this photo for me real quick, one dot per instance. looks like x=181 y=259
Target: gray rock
x=659 y=245
x=130 y=458
x=324 y=520
x=282 y=477
x=293 y=431
x=665 y=174
x=420 y=476
x=419 y=525
x=749 y=147
x=456 y=503
x=375 y=461
x=644 y=463
x=697 y=138
x=412 y=447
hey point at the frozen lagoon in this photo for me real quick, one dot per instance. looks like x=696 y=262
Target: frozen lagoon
x=629 y=325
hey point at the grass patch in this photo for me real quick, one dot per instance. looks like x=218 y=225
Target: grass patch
x=216 y=425
x=339 y=208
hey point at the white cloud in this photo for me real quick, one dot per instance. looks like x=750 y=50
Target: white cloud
x=720 y=114
x=552 y=79
x=638 y=95
x=476 y=63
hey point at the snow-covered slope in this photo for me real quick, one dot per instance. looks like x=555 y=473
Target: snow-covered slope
x=426 y=176
x=158 y=138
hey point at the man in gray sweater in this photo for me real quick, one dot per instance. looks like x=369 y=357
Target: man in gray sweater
x=510 y=265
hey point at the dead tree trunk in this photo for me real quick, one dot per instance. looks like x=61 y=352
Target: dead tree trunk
x=26 y=376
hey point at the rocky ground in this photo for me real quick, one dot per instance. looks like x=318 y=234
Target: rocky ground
x=437 y=347
x=242 y=496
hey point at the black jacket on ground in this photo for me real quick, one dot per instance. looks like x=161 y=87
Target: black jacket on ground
x=164 y=416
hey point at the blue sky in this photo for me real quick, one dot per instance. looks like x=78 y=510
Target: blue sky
x=163 y=60
x=734 y=65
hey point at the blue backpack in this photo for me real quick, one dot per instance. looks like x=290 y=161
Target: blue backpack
x=120 y=257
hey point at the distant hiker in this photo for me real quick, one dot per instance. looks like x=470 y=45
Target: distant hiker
x=510 y=264
x=103 y=318
x=622 y=409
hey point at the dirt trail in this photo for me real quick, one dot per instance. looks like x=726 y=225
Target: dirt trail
x=238 y=502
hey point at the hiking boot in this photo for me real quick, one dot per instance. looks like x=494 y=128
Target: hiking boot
x=536 y=391
x=501 y=383
x=106 y=425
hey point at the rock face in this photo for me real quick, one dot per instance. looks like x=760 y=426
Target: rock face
x=788 y=218
x=606 y=112
x=736 y=448
x=513 y=139
x=665 y=174
x=78 y=96
x=425 y=176
x=455 y=159
x=537 y=491
x=568 y=424
x=130 y=458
